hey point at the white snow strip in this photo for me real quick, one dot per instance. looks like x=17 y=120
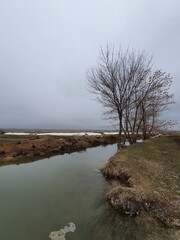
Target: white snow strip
x=56 y=134
x=14 y=133
x=109 y=133
x=71 y=134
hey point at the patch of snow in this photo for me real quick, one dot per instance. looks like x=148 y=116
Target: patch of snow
x=109 y=133
x=127 y=143
x=62 y=133
x=71 y=134
x=92 y=134
x=56 y=134
x=14 y=133
x=156 y=136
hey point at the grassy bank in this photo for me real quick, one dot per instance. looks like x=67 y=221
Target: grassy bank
x=147 y=179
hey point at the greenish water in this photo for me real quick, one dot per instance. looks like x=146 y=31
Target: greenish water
x=44 y=196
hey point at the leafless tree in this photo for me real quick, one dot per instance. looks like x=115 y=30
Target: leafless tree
x=157 y=100
x=130 y=91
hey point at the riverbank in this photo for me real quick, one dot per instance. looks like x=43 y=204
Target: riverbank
x=145 y=179
x=22 y=149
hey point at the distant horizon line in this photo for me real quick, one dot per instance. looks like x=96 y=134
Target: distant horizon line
x=58 y=129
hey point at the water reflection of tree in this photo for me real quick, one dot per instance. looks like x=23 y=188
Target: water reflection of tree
x=109 y=225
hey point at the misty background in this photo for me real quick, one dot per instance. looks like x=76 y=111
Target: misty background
x=46 y=47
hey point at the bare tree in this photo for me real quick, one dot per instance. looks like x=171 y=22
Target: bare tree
x=128 y=88
x=157 y=100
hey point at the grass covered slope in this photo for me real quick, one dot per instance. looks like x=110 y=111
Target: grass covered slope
x=147 y=179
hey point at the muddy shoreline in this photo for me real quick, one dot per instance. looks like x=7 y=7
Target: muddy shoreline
x=28 y=150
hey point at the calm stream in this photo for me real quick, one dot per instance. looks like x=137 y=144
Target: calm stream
x=44 y=196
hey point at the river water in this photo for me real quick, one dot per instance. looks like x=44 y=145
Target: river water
x=44 y=196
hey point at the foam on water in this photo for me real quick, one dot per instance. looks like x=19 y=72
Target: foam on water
x=60 y=235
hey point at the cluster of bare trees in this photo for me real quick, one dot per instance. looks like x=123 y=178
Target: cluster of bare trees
x=131 y=91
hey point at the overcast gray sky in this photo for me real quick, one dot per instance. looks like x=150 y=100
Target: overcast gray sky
x=46 y=47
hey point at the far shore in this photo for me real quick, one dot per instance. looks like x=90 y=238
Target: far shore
x=24 y=147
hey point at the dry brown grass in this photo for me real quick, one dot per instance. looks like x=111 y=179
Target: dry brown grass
x=150 y=171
